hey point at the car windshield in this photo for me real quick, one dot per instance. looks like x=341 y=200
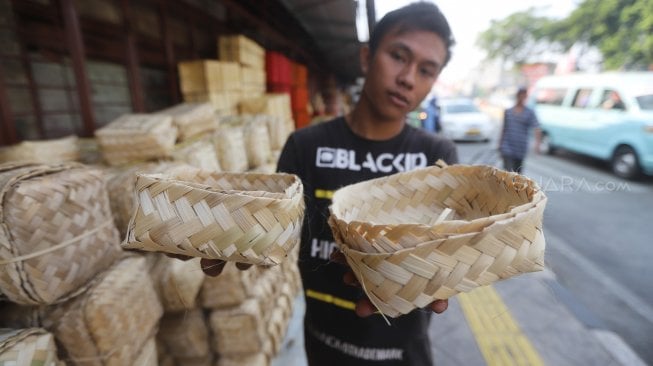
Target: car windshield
x=645 y=102
x=460 y=108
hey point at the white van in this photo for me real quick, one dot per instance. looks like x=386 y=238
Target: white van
x=608 y=116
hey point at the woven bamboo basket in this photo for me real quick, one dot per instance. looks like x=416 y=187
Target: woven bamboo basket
x=240 y=330
x=33 y=346
x=107 y=325
x=148 y=354
x=177 y=283
x=258 y=359
x=60 y=150
x=230 y=288
x=229 y=143
x=257 y=142
x=279 y=132
x=414 y=237
x=200 y=154
x=137 y=137
x=185 y=335
x=56 y=231
x=242 y=217
x=191 y=119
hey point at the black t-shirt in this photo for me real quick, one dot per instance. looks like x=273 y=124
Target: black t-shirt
x=326 y=157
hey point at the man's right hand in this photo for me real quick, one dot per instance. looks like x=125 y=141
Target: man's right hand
x=211 y=267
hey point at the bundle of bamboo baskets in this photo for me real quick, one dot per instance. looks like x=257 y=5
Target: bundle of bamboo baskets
x=60 y=150
x=137 y=137
x=428 y=234
x=191 y=119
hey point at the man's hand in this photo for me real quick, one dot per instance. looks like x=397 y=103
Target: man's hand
x=364 y=306
x=211 y=267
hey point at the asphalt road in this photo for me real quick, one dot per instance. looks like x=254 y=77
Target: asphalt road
x=599 y=244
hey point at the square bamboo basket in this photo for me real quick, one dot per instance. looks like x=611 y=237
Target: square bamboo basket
x=137 y=137
x=56 y=231
x=59 y=150
x=428 y=234
x=238 y=48
x=241 y=330
x=257 y=359
x=191 y=119
x=229 y=142
x=148 y=355
x=230 y=288
x=33 y=346
x=106 y=326
x=208 y=76
x=177 y=283
x=243 y=217
x=185 y=334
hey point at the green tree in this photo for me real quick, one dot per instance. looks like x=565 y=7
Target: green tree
x=516 y=38
x=621 y=29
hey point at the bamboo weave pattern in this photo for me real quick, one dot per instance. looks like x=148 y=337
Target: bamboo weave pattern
x=415 y=237
x=243 y=217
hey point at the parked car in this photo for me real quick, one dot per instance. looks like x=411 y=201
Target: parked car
x=608 y=116
x=461 y=120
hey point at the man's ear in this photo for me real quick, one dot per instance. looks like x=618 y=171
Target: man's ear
x=364 y=58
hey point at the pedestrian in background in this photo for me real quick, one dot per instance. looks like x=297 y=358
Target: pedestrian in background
x=518 y=122
x=432 y=121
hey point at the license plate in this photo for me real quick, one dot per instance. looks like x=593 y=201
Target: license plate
x=473 y=131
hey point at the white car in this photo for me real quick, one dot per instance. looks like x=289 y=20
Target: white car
x=461 y=120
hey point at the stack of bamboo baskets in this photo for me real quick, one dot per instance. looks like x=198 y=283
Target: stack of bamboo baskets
x=251 y=58
x=213 y=81
x=63 y=269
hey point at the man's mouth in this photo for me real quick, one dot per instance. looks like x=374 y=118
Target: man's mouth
x=398 y=99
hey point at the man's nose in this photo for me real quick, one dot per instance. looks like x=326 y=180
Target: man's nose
x=406 y=77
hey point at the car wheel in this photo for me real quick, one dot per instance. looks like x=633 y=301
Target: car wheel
x=625 y=163
x=545 y=145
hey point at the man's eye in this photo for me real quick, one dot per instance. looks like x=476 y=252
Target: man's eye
x=397 y=56
x=427 y=72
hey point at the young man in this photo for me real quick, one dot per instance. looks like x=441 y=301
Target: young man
x=517 y=123
x=407 y=51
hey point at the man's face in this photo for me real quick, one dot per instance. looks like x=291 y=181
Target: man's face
x=402 y=71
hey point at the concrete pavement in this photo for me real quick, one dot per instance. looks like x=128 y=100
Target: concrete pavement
x=526 y=320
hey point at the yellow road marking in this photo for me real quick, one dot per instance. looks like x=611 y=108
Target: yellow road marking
x=323 y=193
x=330 y=299
x=497 y=334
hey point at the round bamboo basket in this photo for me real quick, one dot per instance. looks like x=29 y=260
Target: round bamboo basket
x=60 y=150
x=242 y=217
x=33 y=346
x=428 y=234
x=56 y=231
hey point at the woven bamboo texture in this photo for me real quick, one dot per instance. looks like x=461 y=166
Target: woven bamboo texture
x=208 y=76
x=28 y=347
x=257 y=143
x=177 y=283
x=191 y=119
x=107 y=325
x=242 y=217
x=148 y=354
x=238 y=48
x=414 y=237
x=56 y=231
x=241 y=330
x=60 y=150
x=230 y=288
x=200 y=154
x=185 y=335
x=137 y=137
x=229 y=142
x=258 y=359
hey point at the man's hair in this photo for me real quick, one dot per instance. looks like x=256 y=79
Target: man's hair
x=420 y=16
